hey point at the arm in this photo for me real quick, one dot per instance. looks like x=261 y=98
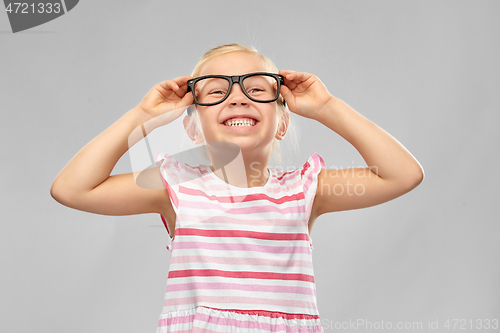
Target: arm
x=392 y=171
x=85 y=182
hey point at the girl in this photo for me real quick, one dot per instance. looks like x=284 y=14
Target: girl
x=241 y=258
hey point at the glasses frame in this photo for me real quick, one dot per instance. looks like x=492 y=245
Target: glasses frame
x=236 y=79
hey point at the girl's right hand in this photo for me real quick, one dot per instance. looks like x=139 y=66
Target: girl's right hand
x=167 y=96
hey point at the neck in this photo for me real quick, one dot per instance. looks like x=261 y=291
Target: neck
x=240 y=168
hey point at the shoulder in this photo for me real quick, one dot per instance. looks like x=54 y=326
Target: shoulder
x=176 y=171
x=304 y=175
x=312 y=167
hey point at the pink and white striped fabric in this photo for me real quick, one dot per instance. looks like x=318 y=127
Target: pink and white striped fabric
x=241 y=258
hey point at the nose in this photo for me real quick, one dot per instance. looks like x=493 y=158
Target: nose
x=236 y=96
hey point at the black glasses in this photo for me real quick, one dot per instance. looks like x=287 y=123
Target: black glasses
x=214 y=89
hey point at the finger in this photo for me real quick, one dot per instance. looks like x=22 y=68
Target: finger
x=187 y=99
x=287 y=73
x=285 y=92
x=175 y=84
x=179 y=107
x=181 y=92
x=182 y=80
x=298 y=77
x=290 y=84
x=182 y=84
x=288 y=96
x=288 y=77
x=169 y=85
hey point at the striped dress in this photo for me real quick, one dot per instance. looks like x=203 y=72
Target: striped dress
x=241 y=258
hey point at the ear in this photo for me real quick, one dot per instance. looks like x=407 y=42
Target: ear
x=283 y=126
x=192 y=131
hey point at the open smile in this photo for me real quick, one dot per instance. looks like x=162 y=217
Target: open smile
x=240 y=123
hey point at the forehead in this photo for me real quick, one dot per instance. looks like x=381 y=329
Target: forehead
x=233 y=63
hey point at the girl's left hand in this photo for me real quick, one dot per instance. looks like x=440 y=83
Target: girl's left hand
x=304 y=93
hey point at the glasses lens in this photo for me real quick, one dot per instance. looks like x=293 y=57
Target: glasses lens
x=211 y=90
x=261 y=87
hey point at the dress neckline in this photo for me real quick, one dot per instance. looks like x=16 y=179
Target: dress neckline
x=244 y=189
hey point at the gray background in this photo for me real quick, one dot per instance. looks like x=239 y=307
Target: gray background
x=425 y=71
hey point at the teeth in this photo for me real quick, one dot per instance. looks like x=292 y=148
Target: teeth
x=240 y=122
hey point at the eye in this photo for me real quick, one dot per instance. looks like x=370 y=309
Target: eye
x=254 y=90
x=217 y=92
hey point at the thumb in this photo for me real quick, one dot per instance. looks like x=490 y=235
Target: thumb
x=287 y=95
x=187 y=100
x=184 y=103
x=178 y=108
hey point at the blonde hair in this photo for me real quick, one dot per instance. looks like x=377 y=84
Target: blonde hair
x=268 y=65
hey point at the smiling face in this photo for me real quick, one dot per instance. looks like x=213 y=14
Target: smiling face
x=217 y=121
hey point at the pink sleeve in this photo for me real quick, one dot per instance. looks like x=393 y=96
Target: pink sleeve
x=170 y=174
x=170 y=171
x=309 y=174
